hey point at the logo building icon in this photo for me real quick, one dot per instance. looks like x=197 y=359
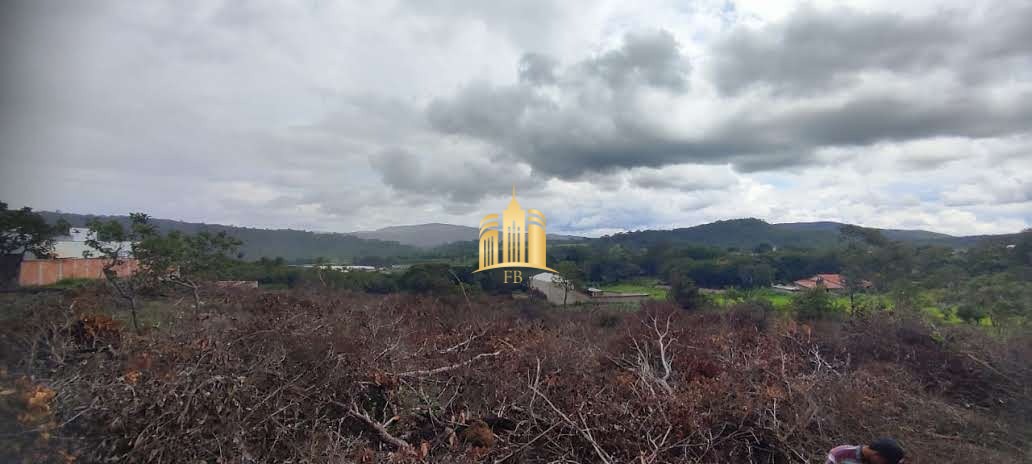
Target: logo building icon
x=516 y=240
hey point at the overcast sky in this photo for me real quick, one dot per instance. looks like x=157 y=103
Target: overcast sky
x=607 y=116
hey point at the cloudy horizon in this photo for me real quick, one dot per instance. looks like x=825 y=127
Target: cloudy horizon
x=607 y=116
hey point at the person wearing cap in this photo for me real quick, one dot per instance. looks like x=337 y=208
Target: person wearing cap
x=880 y=451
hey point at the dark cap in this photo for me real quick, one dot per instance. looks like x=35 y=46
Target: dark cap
x=889 y=449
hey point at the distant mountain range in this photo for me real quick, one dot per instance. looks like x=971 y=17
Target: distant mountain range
x=289 y=244
x=433 y=234
x=748 y=233
x=412 y=240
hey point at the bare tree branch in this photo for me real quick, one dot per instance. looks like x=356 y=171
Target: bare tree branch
x=584 y=431
x=448 y=368
x=381 y=432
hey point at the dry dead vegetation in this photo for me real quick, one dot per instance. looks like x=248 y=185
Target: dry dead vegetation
x=338 y=377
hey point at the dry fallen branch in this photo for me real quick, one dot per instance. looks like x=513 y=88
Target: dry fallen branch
x=643 y=365
x=423 y=373
x=379 y=429
x=290 y=373
x=463 y=288
x=584 y=430
x=463 y=344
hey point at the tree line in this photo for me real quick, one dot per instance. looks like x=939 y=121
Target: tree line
x=990 y=281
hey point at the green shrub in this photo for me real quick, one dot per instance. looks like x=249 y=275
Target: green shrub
x=684 y=292
x=814 y=304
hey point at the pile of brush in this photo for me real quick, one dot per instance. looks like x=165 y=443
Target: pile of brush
x=326 y=376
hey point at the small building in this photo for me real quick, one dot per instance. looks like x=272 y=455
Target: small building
x=73 y=245
x=336 y=267
x=830 y=282
x=69 y=262
x=49 y=271
x=547 y=284
x=359 y=268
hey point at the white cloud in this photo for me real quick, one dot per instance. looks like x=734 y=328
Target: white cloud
x=316 y=115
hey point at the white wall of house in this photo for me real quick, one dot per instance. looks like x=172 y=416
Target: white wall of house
x=545 y=284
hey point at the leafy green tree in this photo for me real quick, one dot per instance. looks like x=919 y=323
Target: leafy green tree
x=948 y=276
x=1022 y=251
x=654 y=257
x=684 y=292
x=988 y=257
x=377 y=282
x=427 y=278
x=855 y=273
x=763 y=248
x=971 y=314
x=756 y=275
x=114 y=243
x=855 y=281
x=1000 y=297
x=1021 y=256
x=615 y=263
x=569 y=277
x=857 y=260
x=813 y=304
x=23 y=231
x=871 y=237
x=868 y=255
x=184 y=260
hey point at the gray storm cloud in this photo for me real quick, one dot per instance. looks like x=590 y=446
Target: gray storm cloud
x=590 y=115
x=817 y=51
x=340 y=115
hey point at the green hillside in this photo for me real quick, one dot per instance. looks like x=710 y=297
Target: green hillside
x=289 y=244
x=304 y=246
x=751 y=232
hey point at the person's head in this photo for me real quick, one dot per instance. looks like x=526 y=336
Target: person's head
x=884 y=451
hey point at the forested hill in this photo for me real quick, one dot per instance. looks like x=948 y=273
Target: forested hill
x=289 y=244
x=749 y=233
x=304 y=246
x=433 y=235
x=422 y=235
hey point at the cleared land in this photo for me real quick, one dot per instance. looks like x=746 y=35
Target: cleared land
x=333 y=376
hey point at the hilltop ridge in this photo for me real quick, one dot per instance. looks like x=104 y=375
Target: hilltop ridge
x=410 y=240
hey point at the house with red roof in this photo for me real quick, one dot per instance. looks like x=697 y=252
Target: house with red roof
x=831 y=282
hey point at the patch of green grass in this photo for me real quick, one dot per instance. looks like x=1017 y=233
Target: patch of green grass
x=780 y=300
x=721 y=299
x=638 y=286
x=939 y=315
x=611 y=307
x=783 y=301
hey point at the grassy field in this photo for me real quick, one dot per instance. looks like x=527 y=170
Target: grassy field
x=780 y=300
x=638 y=286
x=783 y=301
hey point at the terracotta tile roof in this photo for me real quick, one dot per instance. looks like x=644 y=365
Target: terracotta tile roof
x=828 y=281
